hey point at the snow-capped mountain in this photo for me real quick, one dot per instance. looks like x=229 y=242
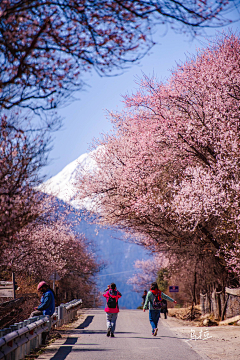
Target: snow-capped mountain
x=62 y=184
x=118 y=254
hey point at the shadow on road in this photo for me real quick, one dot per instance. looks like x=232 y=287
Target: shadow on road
x=67 y=347
x=174 y=337
x=78 y=331
x=160 y=337
x=86 y=322
x=145 y=338
x=105 y=331
x=70 y=341
x=93 y=332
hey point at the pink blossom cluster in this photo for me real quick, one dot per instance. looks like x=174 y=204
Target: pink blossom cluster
x=232 y=257
x=146 y=272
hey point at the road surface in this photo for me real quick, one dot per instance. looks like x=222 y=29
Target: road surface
x=133 y=340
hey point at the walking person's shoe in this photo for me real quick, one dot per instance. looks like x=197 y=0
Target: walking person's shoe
x=112 y=335
x=108 y=332
x=155 y=332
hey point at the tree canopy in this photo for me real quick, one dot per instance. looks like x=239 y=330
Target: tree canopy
x=47 y=46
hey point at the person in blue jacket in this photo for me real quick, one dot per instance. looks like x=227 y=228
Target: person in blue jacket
x=47 y=302
x=153 y=301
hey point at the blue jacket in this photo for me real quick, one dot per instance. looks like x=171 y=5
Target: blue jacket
x=47 y=305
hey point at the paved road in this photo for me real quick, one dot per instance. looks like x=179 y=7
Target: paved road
x=133 y=340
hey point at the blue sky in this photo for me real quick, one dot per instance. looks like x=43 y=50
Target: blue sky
x=85 y=118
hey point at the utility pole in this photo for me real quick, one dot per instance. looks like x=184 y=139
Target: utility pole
x=13 y=281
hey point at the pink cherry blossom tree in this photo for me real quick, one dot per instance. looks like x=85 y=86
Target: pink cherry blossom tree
x=45 y=248
x=48 y=244
x=36 y=238
x=170 y=171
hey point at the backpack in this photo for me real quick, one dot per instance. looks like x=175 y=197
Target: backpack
x=112 y=302
x=157 y=302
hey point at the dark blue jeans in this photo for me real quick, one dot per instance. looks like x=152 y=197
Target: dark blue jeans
x=154 y=316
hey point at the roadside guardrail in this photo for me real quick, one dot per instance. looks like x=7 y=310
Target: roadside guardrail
x=20 y=339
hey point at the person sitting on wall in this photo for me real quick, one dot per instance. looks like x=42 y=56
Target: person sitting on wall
x=47 y=302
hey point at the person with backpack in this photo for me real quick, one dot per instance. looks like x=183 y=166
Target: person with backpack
x=112 y=309
x=154 y=303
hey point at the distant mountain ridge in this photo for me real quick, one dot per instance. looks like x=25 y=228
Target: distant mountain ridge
x=118 y=254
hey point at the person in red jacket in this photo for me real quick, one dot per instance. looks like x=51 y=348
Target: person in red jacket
x=112 y=309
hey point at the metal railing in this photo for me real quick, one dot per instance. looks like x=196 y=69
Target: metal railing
x=20 y=339
x=67 y=312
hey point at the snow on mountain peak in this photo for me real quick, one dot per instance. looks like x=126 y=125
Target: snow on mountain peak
x=62 y=184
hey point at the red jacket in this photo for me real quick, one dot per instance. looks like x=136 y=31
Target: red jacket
x=115 y=294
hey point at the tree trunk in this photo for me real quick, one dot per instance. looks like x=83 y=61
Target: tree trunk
x=194 y=294
x=225 y=308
